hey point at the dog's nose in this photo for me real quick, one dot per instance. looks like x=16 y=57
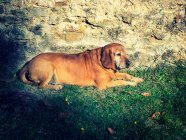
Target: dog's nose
x=127 y=63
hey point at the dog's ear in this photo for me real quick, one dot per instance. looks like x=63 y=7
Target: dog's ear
x=107 y=58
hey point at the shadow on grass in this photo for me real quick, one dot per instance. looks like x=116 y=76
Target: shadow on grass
x=28 y=116
x=86 y=113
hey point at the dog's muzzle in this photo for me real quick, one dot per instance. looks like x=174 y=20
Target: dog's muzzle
x=127 y=63
x=123 y=65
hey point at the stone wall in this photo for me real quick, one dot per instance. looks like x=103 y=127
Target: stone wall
x=152 y=31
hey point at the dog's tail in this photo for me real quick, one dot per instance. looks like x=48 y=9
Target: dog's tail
x=23 y=74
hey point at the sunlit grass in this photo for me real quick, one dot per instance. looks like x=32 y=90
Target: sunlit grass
x=86 y=113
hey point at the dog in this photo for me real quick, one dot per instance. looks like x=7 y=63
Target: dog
x=98 y=67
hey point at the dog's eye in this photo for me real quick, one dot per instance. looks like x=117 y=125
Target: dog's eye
x=118 y=54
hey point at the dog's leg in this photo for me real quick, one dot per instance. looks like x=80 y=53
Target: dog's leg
x=56 y=87
x=45 y=82
x=116 y=83
x=42 y=74
x=128 y=77
x=121 y=83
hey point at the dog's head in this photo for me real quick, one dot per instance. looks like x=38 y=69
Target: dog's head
x=113 y=56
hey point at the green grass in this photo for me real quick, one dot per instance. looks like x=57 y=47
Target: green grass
x=86 y=113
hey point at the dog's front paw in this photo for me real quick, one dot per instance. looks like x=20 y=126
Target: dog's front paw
x=132 y=84
x=138 y=80
x=58 y=87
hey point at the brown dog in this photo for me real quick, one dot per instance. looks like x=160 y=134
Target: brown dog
x=98 y=67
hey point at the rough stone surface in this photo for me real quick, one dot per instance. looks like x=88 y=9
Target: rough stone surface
x=2 y=9
x=152 y=31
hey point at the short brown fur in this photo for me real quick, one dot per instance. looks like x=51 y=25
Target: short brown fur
x=90 y=68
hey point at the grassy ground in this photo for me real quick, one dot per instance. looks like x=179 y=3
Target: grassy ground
x=86 y=113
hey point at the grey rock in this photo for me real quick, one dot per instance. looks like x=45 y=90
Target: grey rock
x=16 y=33
x=5 y=1
x=53 y=20
x=38 y=12
x=2 y=9
x=8 y=19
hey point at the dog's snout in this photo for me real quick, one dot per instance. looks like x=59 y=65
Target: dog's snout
x=127 y=63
